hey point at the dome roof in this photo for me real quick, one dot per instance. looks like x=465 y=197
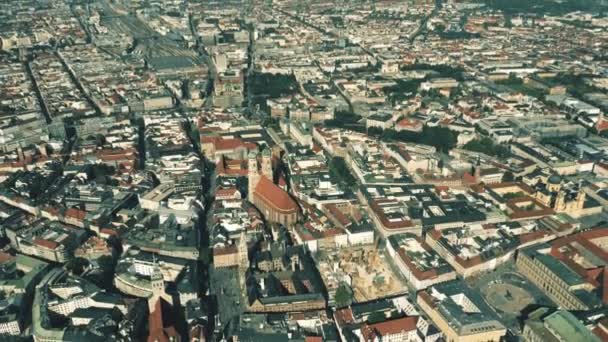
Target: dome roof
x=554 y=179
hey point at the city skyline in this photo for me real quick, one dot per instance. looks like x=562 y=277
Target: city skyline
x=290 y=170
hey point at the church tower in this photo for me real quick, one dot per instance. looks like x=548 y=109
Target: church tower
x=160 y=308
x=157 y=286
x=580 y=197
x=267 y=164
x=560 y=201
x=156 y=281
x=253 y=175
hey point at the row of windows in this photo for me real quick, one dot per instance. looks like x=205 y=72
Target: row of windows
x=548 y=281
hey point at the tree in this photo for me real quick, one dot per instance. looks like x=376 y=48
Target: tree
x=543 y=6
x=442 y=138
x=273 y=85
x=402 y=89
x=439 y=28
x=343 y=296
x=487 y=146
x=511 y=195
x=343 y=119
x=339 y=170
x=443 y=70
x=508 y=177
x=270 y=122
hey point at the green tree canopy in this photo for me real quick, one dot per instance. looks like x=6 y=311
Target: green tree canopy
x=344 y=296
x=442 y=138
x=487 y=146
x=508 y=177
x=273 y=85
x=339 y=171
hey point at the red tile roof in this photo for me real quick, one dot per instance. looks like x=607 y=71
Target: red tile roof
x=313 y=339
x=601 y=125
x=274 y=196
x=225 y=193
x=4 y=257
x=601 y=333
x=467 y=178
x=230 y=144
x=343 y=316
x=46 y=243
x=282 y=181
x=407 y=123
x=387 y=328
x=51 y=210
x=338 y=215
x=158 y=332
x=75 y=213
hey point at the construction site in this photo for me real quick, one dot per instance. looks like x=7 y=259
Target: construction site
x=363 y=269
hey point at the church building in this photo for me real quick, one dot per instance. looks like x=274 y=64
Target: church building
x=273 y=202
